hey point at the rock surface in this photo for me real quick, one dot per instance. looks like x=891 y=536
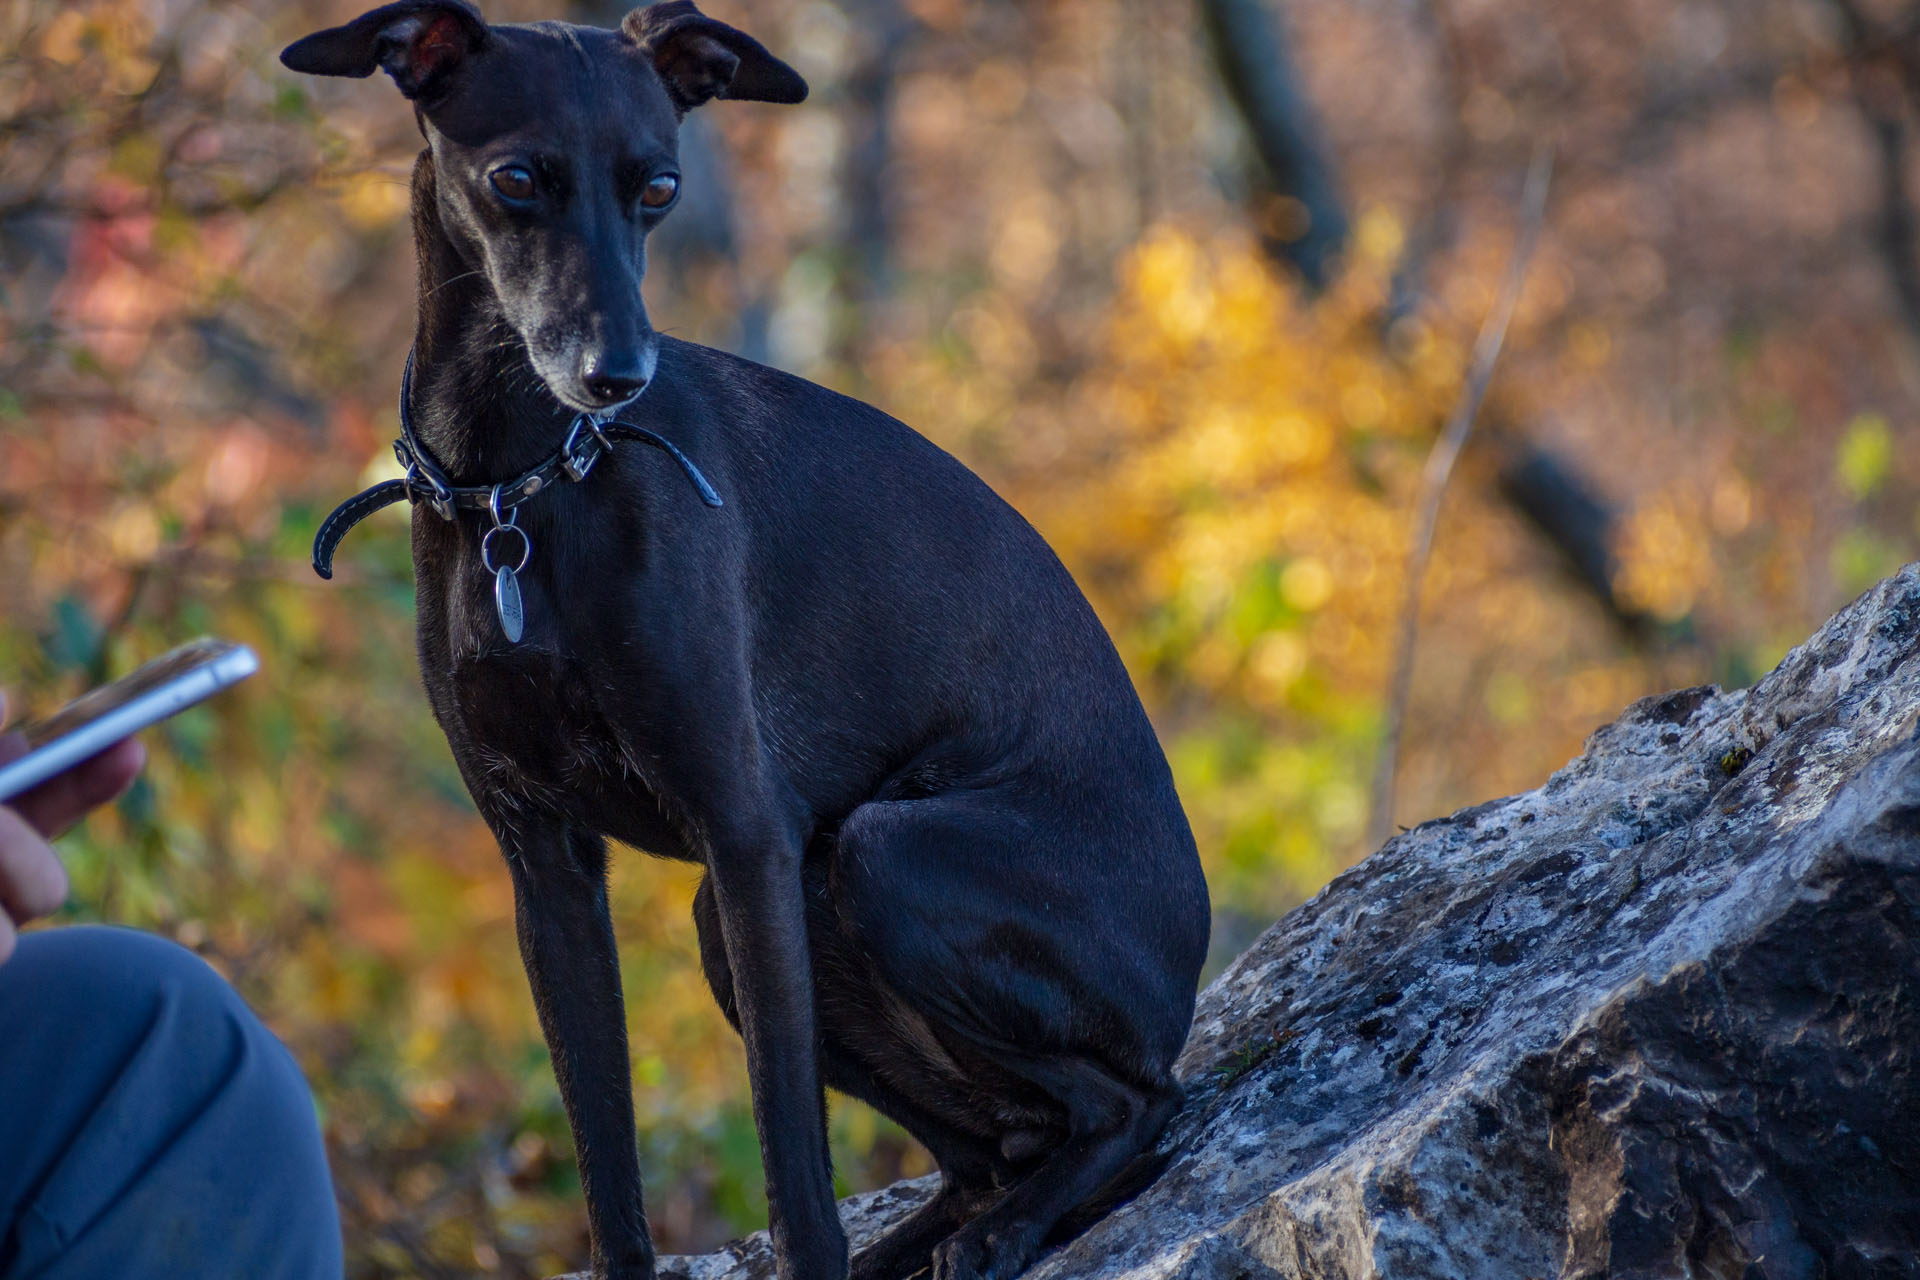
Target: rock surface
x=1658 y=1018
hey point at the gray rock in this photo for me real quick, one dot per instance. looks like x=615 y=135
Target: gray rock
x=1659 y=1017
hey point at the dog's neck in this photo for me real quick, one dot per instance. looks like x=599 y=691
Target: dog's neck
x=477 y=404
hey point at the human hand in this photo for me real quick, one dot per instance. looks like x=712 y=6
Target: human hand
x=32 y=879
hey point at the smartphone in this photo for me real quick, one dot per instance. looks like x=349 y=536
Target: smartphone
x=101 y=717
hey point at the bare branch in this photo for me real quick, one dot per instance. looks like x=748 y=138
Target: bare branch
x=1433 y=484
x=1259 y=76
x=1564 y=506
x=1878 y=64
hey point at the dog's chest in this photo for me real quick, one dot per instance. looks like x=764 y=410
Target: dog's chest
x=539 y=730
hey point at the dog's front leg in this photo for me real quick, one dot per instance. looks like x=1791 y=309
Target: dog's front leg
x=757 y=891
x=566 y=943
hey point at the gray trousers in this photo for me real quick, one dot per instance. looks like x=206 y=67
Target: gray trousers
x=150 y=1126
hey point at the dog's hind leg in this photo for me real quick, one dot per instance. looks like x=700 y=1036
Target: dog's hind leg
x=968 y=1172
x=1111 y=1124
x=907 y=1248
x=967 y=1164
x=1061 y=1007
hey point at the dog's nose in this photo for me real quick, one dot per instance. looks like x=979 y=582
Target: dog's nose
x=614 y=377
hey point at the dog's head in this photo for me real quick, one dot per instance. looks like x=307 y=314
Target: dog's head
x=554 y=155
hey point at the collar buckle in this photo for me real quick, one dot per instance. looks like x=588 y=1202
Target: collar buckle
x=582 y=450
x=441 y=497
x=420 y=480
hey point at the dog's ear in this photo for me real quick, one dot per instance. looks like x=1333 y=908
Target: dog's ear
x=420 y=43
x=699 y=58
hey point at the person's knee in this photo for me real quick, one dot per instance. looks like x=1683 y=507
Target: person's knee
x=97 y=968
x=134 y=997
x=200 y=1007
x=165 y=1079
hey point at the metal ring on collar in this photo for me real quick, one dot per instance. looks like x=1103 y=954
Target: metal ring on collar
x=487 y=548
x=493 y=509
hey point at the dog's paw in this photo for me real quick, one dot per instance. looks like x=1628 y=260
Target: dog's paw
x=977 y=1252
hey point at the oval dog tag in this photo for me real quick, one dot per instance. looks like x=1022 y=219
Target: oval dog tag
x=506 y=601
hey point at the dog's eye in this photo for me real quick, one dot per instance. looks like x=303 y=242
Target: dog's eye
x=513 y=182
x=660 y=191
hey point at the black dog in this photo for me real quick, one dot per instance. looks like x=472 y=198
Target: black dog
x=946 y=870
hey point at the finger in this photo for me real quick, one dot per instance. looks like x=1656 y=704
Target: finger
x=32 y=881
x=64 y=799
x=6 y=937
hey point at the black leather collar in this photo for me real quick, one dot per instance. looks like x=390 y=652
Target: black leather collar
x=426 y=481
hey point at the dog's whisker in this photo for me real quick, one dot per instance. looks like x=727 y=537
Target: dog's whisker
x=464 y=275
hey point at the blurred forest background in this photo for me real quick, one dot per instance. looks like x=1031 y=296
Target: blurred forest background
x=1193 y=284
